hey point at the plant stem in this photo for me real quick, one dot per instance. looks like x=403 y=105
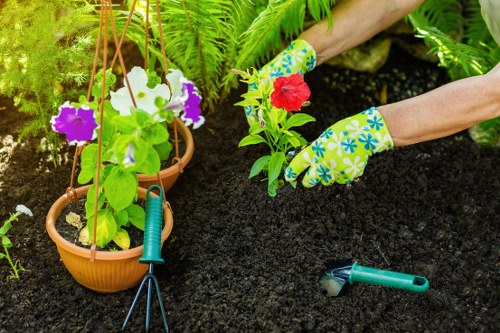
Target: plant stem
x=14 y=268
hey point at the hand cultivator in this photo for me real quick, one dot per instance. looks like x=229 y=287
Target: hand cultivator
x=151 y=255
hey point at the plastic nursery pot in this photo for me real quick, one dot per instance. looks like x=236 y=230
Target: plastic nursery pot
x=110 y=271
x=169 y=176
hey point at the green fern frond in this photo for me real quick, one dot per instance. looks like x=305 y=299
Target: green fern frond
x=460 y=59
x=476 y=31
x=442 y=14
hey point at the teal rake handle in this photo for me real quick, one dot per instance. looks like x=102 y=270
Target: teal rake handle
x=153 y=227
x=418 y=284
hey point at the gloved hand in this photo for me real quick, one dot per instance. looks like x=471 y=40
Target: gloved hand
x=298 y=57
x=341 y=153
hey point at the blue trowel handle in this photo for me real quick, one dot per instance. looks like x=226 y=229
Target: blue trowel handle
x=152 y=229
x=418 y=284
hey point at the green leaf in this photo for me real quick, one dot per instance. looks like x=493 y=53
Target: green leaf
x=155 y=134
x=106 y=227
x=2 y=256
x=151 y=164
x=136 y=216
x=142 y=117
x=272 y=188
x=6 y=242
x=122 y=218
x=89 y=203
x=275 y=164
x=122 y=239
x=125 y=124
x=251 y=140
x=248 y=102
x=88 y=163
x=120 y=188
x=5 y=228
x=259 y=165
x=163 y=149
x=298 y=119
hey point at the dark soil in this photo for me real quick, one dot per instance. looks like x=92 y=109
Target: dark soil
x=240 y=261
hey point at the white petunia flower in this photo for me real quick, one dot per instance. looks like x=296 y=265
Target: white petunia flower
x=23 y=209
x=143 y=95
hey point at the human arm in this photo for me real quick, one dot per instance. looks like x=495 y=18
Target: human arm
x=444 y=111
x=341 y=153
x=354 y=22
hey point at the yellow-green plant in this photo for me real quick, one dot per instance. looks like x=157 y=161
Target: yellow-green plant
x=43 y=51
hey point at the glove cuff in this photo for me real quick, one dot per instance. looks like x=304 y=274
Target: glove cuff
x=373 y=132
x=298 y=57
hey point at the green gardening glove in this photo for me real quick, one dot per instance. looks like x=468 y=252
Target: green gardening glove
x=341 y=153
x=299 y=57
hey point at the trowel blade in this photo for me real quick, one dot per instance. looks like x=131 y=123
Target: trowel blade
x=336 y=276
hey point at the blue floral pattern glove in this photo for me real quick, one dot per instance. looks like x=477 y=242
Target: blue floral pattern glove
x=341 y=153
x=298 y=57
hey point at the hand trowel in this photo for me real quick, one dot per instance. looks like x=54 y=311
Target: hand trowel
x=344 y=270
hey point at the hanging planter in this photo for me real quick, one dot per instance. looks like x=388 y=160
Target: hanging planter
x=130 y=125
x=108 y=271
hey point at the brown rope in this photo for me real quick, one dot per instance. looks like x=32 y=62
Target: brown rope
x=162 y=44
x=120 y=57
x=106 y=5
x=146 y=39
x=70 y=191
x=96 y=58
x=177 y=158
x=127 y=23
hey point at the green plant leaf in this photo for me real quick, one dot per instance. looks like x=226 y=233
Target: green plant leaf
x=5 y=228
x=88 y=163
x=125 y=124
x=122 y=239
x=89 y=203
x=163 y=149
x=155 y=134
x=136 y=216
x=140 y=150
x=122 y=218
x=151 y=164
x=272 y=188
x=275 y=165
x=6 y=242
x=251 y=140
x=120 y=188
x=259 y=165
x=298 y=119
x=106 y=227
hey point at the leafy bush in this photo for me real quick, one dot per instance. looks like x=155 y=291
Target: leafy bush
x=43 y=51
x=457 y=33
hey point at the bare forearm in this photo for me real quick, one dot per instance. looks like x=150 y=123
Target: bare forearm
x=443 y=111
x=355 y=21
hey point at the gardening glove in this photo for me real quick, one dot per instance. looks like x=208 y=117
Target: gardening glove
x=341 y=153
x=298 y=57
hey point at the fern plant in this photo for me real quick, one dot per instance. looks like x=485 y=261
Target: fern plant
x=456 y=32
x=42 y=53
x=206 y=39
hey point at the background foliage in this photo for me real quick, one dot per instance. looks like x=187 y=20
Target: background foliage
x=457 y=33
x=44 y=52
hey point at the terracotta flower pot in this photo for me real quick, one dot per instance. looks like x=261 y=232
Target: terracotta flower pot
x=110 y=271
x=169 y=176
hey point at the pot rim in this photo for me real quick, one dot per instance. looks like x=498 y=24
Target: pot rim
x=64 y=200
x=188 y=154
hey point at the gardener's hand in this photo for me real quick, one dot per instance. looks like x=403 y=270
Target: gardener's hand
x=341 y=153
x=299 y=57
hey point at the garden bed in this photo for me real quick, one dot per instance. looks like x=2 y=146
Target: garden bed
x=240 y=261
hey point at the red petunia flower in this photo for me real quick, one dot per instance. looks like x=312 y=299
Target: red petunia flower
x=290 y=92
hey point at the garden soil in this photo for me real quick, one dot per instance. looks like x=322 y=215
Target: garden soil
x=240 y=261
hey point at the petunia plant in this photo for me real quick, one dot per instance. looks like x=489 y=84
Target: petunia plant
x=135 y=139
x=277 y=103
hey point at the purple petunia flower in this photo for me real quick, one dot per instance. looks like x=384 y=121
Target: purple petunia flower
x=78 y=124
x=192 y=111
